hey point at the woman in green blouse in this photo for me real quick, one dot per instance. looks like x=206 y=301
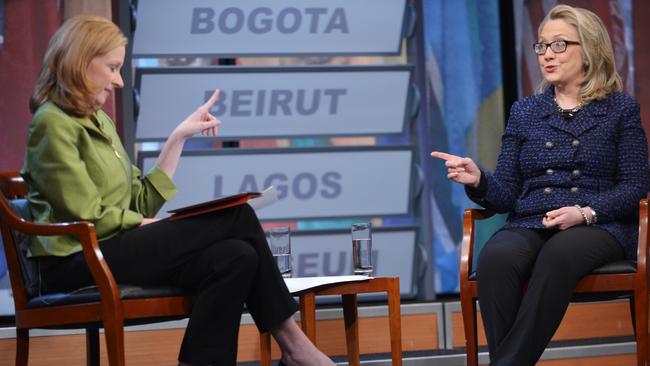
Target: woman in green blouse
x=77 y=170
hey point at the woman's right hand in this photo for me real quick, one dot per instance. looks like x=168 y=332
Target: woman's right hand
x=200 y=121
x=460 y=170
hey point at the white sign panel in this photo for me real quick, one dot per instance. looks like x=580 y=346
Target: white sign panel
x=310 y=183
x=277 y=102
x=394 y=255
x=234 y=28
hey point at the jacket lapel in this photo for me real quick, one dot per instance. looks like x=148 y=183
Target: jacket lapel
x=90 y=126
x=584 y=120
x=589 y=117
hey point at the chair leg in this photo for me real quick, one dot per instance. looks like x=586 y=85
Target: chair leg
x=633 y=314
x=22 y=347
x=114 y=334
x=351 y=328
x=265 y=348
x=395 y=321
x=468 y=306
x=92 y=346
x=641 y=326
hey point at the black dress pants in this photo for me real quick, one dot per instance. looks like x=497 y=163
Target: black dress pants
x=518 y=324
x=223 y=257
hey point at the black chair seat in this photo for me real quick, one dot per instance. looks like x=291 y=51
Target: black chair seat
x=626 y=266
x=91 y=294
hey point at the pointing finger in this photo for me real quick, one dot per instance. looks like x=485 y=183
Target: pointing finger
x=212 y=100
x=443 y=156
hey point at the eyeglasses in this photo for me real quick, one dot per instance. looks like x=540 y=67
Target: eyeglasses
x=556 y=46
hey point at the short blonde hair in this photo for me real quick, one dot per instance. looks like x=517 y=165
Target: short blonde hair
x=601 y=77
x=63 y=75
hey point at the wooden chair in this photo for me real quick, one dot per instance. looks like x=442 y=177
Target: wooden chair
x=628 y=278
x=348 y=292
x=12 y=185
x=106 y=305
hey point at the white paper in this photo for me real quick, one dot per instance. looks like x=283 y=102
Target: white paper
x=269 y=196
x=304 y=283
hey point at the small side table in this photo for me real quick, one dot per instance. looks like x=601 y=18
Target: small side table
x=348 y=292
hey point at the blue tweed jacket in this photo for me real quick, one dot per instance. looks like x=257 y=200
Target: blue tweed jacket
x=598 y=159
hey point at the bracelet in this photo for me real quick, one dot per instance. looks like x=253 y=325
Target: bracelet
x=594 y=218
x=584 y=216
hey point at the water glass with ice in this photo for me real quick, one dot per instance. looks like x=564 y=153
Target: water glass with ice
x=362 y=249
x=280 y=242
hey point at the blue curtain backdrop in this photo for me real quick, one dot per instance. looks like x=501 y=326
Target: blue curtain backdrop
x=464 y=93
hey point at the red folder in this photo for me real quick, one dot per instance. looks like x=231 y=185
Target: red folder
x=214 y=205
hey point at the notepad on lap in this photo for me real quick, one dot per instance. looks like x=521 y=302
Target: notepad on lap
x=268 y=196
x=214 y=205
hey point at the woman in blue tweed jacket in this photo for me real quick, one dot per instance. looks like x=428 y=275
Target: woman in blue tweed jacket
x=572 y=169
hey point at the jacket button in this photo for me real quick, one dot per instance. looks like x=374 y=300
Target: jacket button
x=548 y=190
x=549 y=171
x=575 y=143
x=549 y=144
x=576 y=173
x=574 y=189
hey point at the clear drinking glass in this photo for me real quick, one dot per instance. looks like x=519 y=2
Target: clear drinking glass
x=362 y=249
x=280 y=242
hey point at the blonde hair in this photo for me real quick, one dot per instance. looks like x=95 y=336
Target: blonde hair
x=63 y=75
x=601 y=77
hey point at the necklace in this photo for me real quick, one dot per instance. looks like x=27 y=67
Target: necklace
x=567 y=113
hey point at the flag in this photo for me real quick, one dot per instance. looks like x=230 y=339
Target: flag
x=464 y=95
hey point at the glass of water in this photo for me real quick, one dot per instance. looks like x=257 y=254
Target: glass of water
x=280 y=242
x=362 y=249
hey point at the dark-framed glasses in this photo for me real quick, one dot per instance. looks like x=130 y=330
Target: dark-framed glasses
x=558 y=46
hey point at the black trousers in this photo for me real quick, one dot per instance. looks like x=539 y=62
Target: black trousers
x=223 y=257
x=518 y=324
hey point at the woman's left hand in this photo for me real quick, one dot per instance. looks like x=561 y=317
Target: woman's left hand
x=563 y=218
x=200 y=121
x=147 y=221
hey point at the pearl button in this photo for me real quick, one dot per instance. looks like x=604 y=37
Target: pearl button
x=576 y=173
x=548 y=190
x=549 y=171
x=574 y=189
x=549 y=144
x=575 y=143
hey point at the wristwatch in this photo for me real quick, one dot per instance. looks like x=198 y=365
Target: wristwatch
x=594 y=217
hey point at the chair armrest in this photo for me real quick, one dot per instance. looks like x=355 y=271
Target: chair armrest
x=644 y=239
x=12 y=185
x=470 y=216
x=85 y=231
